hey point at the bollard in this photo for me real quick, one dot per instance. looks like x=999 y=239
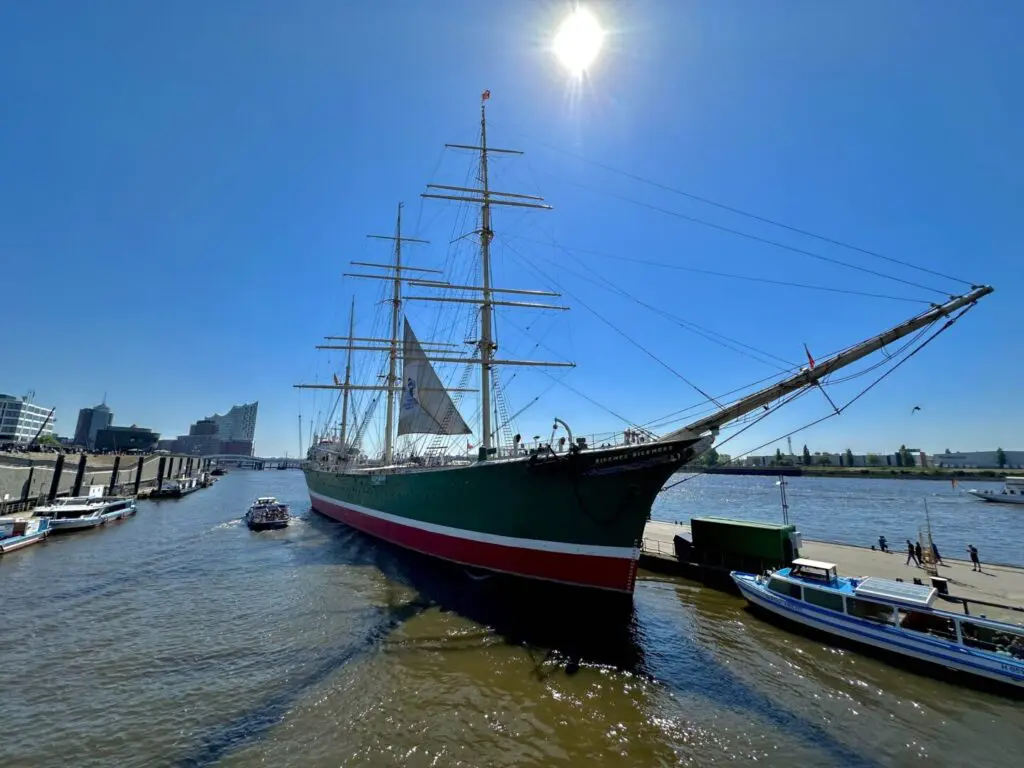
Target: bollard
x=138 y=474
x=76 y=489
x=58 y=468
x=113 y=475
x=27 y=488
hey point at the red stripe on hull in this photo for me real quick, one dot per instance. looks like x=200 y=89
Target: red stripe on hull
x=593 y=571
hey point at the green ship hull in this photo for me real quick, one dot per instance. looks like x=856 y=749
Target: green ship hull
x=576 y=518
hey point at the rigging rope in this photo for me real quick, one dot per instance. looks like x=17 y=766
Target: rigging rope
x=838 y=411
x=713 y=273
x=749 y=215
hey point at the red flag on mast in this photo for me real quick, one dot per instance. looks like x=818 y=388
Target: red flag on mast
x=485 y=95
x=810 y=360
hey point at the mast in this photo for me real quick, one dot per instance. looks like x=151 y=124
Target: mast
x=486 y=344
x=348 y=376
x=485 y=197
x=815 y=373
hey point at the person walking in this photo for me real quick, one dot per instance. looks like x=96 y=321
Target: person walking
x=911 y=554
x=918 y=553
x=935 y=554
x=883 y=544
x=975 y=562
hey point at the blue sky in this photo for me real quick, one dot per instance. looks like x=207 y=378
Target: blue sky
x=184 y=184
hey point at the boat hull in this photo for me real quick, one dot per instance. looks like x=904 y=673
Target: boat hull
x=20 y=542
x=997 y=498
x=895 y=643
x=271 y=525
x=61 y=525
x=577 y=519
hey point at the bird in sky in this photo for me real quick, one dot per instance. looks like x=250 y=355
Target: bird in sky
x=915 y=408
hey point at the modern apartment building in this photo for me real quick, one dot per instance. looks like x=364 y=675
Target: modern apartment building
x=21 y=420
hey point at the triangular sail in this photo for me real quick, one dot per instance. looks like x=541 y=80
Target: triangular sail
x=426 y=408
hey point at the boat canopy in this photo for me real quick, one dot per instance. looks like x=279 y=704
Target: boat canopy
x=817 y=564
x=918 y=595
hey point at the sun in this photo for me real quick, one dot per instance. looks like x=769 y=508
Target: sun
x=578 y=41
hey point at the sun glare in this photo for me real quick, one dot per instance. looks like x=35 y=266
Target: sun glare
x=578 y=41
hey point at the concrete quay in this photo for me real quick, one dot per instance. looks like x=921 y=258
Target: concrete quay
x=27 y=478
x=995 y=584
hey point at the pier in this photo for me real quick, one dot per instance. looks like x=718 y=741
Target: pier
x=993 y=592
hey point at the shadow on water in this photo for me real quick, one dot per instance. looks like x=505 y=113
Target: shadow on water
x=563 y=627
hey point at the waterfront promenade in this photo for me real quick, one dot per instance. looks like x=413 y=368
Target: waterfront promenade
x=996 y=584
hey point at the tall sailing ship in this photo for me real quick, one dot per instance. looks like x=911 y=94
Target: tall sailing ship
x=565 y=511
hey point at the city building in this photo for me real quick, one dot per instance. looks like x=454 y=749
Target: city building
x=119 y=439
x=21 y=421
x=237 y=424
x=91 y=421
x=978 y=460
x=231 y=432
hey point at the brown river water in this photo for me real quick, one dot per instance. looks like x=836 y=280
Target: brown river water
x=180 y=638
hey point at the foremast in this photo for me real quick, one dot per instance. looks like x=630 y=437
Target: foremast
x=814 y=373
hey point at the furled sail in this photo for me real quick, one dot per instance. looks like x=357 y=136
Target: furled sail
x=426 y=408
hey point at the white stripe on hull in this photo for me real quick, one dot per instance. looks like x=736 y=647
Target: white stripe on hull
x=24 y=542
x=866 y=634
x=562 y=547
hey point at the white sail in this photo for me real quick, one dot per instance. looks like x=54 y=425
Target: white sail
x=426 y=408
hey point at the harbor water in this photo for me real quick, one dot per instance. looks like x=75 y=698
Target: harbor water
x=180 y=638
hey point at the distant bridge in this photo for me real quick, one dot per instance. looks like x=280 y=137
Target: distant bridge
x=257 y=462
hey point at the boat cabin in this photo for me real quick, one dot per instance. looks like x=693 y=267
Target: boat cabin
x=264 y=501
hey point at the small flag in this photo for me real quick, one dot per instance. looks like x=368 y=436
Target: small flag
x=810 y=360
x=336 y=382
x=469 y=446
x=485 y=95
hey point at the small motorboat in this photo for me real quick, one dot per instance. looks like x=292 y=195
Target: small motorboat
x=1012 y=493
x=890 y=616
x=267 y=514
x=18 y=533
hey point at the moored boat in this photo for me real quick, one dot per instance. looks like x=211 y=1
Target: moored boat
x=175 y=489
x=1012 y=493
x=267 y=514
x=79 y=512
x=19 y=533
x=566 y=510
x=892 y=616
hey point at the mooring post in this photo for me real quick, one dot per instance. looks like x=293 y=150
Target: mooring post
x=160 y=472
x=138 y=473
x=113 y=475
x=76 y=490
x=58 y=467
x=27 y=488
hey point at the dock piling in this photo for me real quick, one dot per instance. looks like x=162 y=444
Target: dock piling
x=58 y=468
x=113 y=476
x=160 y=471
x=76 y=490
x=138 y=474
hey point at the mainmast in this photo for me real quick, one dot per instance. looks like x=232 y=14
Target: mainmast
x=815 y=373
x=348 y=376
x=485 y=197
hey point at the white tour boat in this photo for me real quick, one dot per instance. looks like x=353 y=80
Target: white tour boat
x=892 y=616
x=1012 y=493
x=78 y=512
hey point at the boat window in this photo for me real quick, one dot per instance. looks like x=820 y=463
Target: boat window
x=870 y=610
x=994 y=639
x=928 y=623
x=831 y=600
x=784 y=587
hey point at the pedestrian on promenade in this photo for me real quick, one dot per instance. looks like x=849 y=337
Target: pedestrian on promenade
x=911 y=554
x=935 y=554
x=918 y=553
x=975 y=562
x=883 y=544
